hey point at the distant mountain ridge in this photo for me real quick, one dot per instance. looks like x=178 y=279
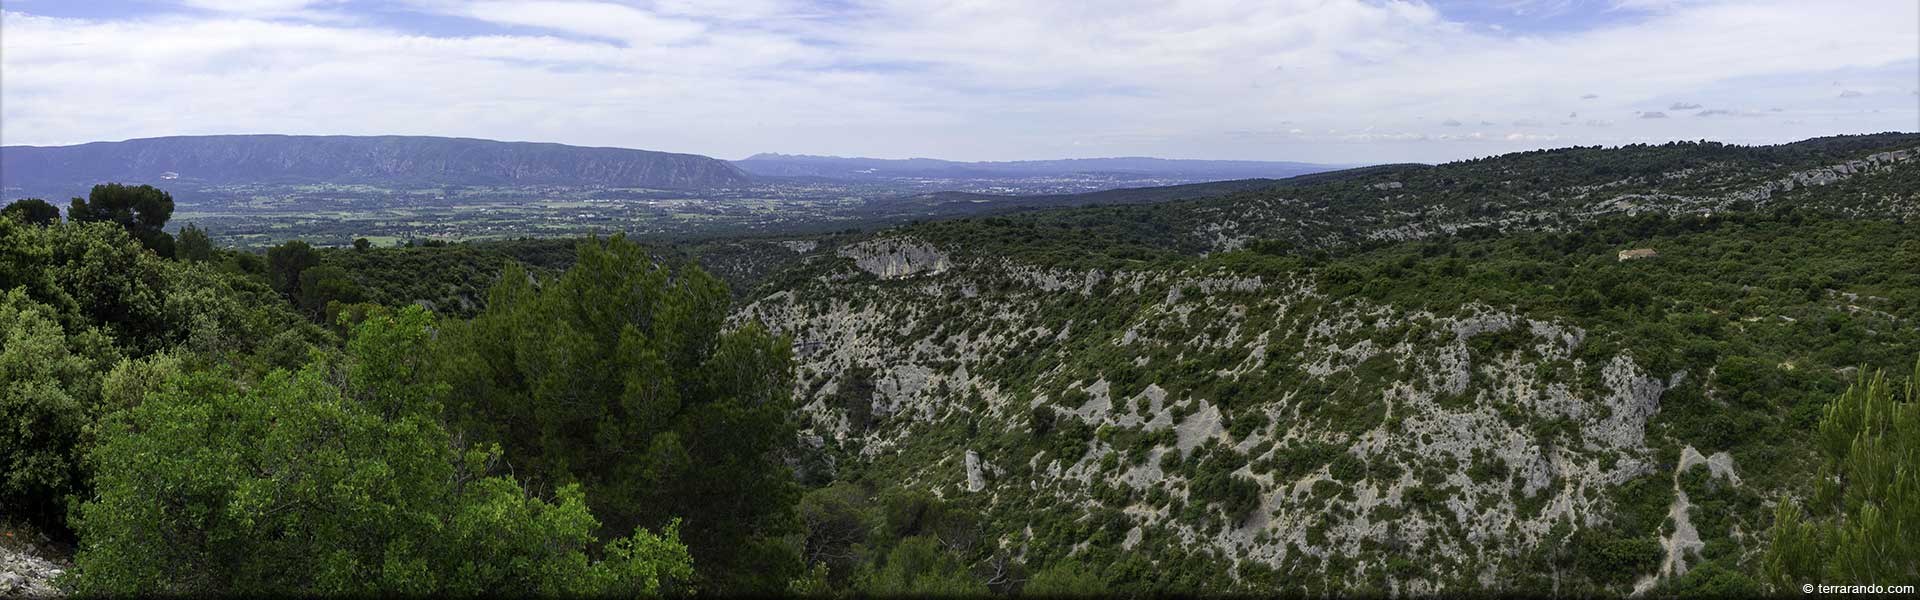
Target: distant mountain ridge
x=378 y=160
x=835 y=167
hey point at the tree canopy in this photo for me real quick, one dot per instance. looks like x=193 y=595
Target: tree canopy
x=197 y=434
x=1860 y=523
x=286 y=262
x=337 y=478
x=49 y=392
x=620 y=375
x=32 y=211
x=142 y=210
x=193 y=244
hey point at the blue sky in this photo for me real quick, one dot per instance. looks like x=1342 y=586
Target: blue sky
x=1312 y=80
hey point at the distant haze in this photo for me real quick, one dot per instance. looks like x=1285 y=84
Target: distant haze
x=783 y=165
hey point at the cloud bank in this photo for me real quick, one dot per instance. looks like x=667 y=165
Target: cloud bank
x=1335 y=81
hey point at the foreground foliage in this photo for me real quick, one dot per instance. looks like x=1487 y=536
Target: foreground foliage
x=336 y=478
x=204 y=437
x=84 y=310
x=1860 y=522
x=620 y=375
x=142 y=210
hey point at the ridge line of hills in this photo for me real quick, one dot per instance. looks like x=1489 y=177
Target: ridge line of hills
x=406 y=160
x=401 y=160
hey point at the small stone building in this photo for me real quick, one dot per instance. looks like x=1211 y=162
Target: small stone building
x=1626 y=255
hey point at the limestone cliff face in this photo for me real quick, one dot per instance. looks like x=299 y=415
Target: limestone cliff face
x=896 y=257
x=1454 y=461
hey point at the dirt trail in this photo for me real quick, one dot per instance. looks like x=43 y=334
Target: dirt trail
x=1685 y=539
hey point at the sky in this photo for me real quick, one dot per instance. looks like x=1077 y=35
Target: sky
x=1331 y=81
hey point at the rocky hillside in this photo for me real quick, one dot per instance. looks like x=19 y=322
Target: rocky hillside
x=1550 y=190
x=1305 y=388
x=29 y=563
x=376 y=160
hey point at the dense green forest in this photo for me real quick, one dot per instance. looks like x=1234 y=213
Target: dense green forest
x=1099 y=400
x=197 y=428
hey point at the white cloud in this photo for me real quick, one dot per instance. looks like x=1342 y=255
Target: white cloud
x=597 y=19
x=993 y=79
x=319 y=11
x=271 y=7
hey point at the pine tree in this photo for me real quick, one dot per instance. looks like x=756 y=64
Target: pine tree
x=1860 y=523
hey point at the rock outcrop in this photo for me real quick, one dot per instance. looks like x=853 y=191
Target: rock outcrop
x=24 y=575
x=894 y=258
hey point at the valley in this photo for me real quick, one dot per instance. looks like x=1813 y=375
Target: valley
x=873 y=299
x=1498 y=393
x=1587 y=370
x=258 y=191
x=1289 y=388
